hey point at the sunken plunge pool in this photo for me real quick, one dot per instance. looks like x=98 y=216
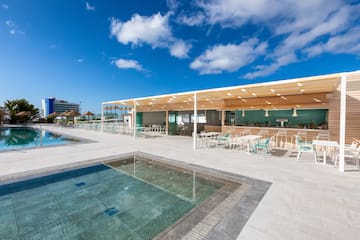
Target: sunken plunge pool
x=132 y=197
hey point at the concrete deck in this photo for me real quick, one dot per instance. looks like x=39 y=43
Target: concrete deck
x=305 y=201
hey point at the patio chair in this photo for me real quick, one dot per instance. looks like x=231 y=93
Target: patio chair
x=236 y=142
x=222 y=140
x=304 y=147
x=350 y=153
x=263 y=144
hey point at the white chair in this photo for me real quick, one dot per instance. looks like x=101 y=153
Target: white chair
x=304 y=147
x=350 y=153
x=281 y=136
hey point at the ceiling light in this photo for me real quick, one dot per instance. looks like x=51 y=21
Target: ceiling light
x=294 y=113
x=267 y=113
x=299 y=84
x=153 y=99
x=272 y=90
x=302 y=90
x=207 y=99
x=244 y=100
x=283 y=97
x=229 y=94
x=174 y=96
x=254 y=94
x=268 y=102
x=278 y=94
x=239 y=97
x=316 y=100
x=243 y=89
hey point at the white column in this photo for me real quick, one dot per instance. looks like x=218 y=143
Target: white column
x=222 y=119
x=167 y=122
x=195 y=121
x=342 y=123
x=102 y=117
x=134 y=119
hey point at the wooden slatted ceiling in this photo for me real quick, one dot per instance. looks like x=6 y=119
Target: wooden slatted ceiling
x=241 y=96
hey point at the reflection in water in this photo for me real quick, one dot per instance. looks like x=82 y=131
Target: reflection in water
x=17 y=137
x=184 y=183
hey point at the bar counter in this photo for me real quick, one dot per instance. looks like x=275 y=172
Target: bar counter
x=290 y=132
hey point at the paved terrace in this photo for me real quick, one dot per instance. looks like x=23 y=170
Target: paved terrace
x=305 y=201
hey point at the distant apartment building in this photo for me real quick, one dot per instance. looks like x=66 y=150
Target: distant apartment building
x=50 y=105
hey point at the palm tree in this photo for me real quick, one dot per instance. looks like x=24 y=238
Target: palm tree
x=20 y=105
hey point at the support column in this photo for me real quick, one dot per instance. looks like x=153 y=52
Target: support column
x=222 y=119
x=342 y=123
x=134 y=119
x=102 y=118
x=167 y=122
x=195 y=121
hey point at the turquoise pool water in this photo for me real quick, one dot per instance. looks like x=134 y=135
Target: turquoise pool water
x=27 y=137
x=123 y=200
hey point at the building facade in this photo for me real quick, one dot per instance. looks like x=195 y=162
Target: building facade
x=51 y=105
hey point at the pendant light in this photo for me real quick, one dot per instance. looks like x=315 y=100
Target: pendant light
x=294 y=113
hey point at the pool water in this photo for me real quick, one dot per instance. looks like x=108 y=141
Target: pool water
x=27 y=137
x=122 y=200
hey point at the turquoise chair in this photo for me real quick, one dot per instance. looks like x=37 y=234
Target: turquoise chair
x=304 y=147
x=263 y=144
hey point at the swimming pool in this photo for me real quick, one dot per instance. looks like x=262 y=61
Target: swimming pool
x=26 y=137
x=124 y=199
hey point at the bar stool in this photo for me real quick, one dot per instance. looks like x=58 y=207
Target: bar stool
x=281 y=134
x=322 y=136
x=302 y=135
x=245 y=132
x=264 y=133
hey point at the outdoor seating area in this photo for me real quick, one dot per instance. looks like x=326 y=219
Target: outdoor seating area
x=324 y=152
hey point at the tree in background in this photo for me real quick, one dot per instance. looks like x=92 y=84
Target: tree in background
x=20 y=105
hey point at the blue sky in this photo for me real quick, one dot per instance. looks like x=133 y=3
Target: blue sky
x=94 y=51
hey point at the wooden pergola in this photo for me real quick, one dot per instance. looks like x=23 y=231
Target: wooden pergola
x=309 y=92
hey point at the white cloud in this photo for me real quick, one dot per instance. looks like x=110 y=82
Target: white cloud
x=231 y=13
x=129 y=64
x=88 y=7
x=191 y=20
x=228 y=57
x=172 y=4
x=348 y=42
x=13 y=28
x=4 y=6
x=291 y=49
x=180 y=49
x=154 y=30
x=292 y=25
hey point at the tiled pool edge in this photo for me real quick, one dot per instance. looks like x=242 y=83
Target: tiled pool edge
x=235 y=210
x=225 y=221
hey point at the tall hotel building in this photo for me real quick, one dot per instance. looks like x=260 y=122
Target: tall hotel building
x=50 y=105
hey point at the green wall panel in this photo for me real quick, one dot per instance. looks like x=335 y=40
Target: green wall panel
x=311 y=118
x=139 y=119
